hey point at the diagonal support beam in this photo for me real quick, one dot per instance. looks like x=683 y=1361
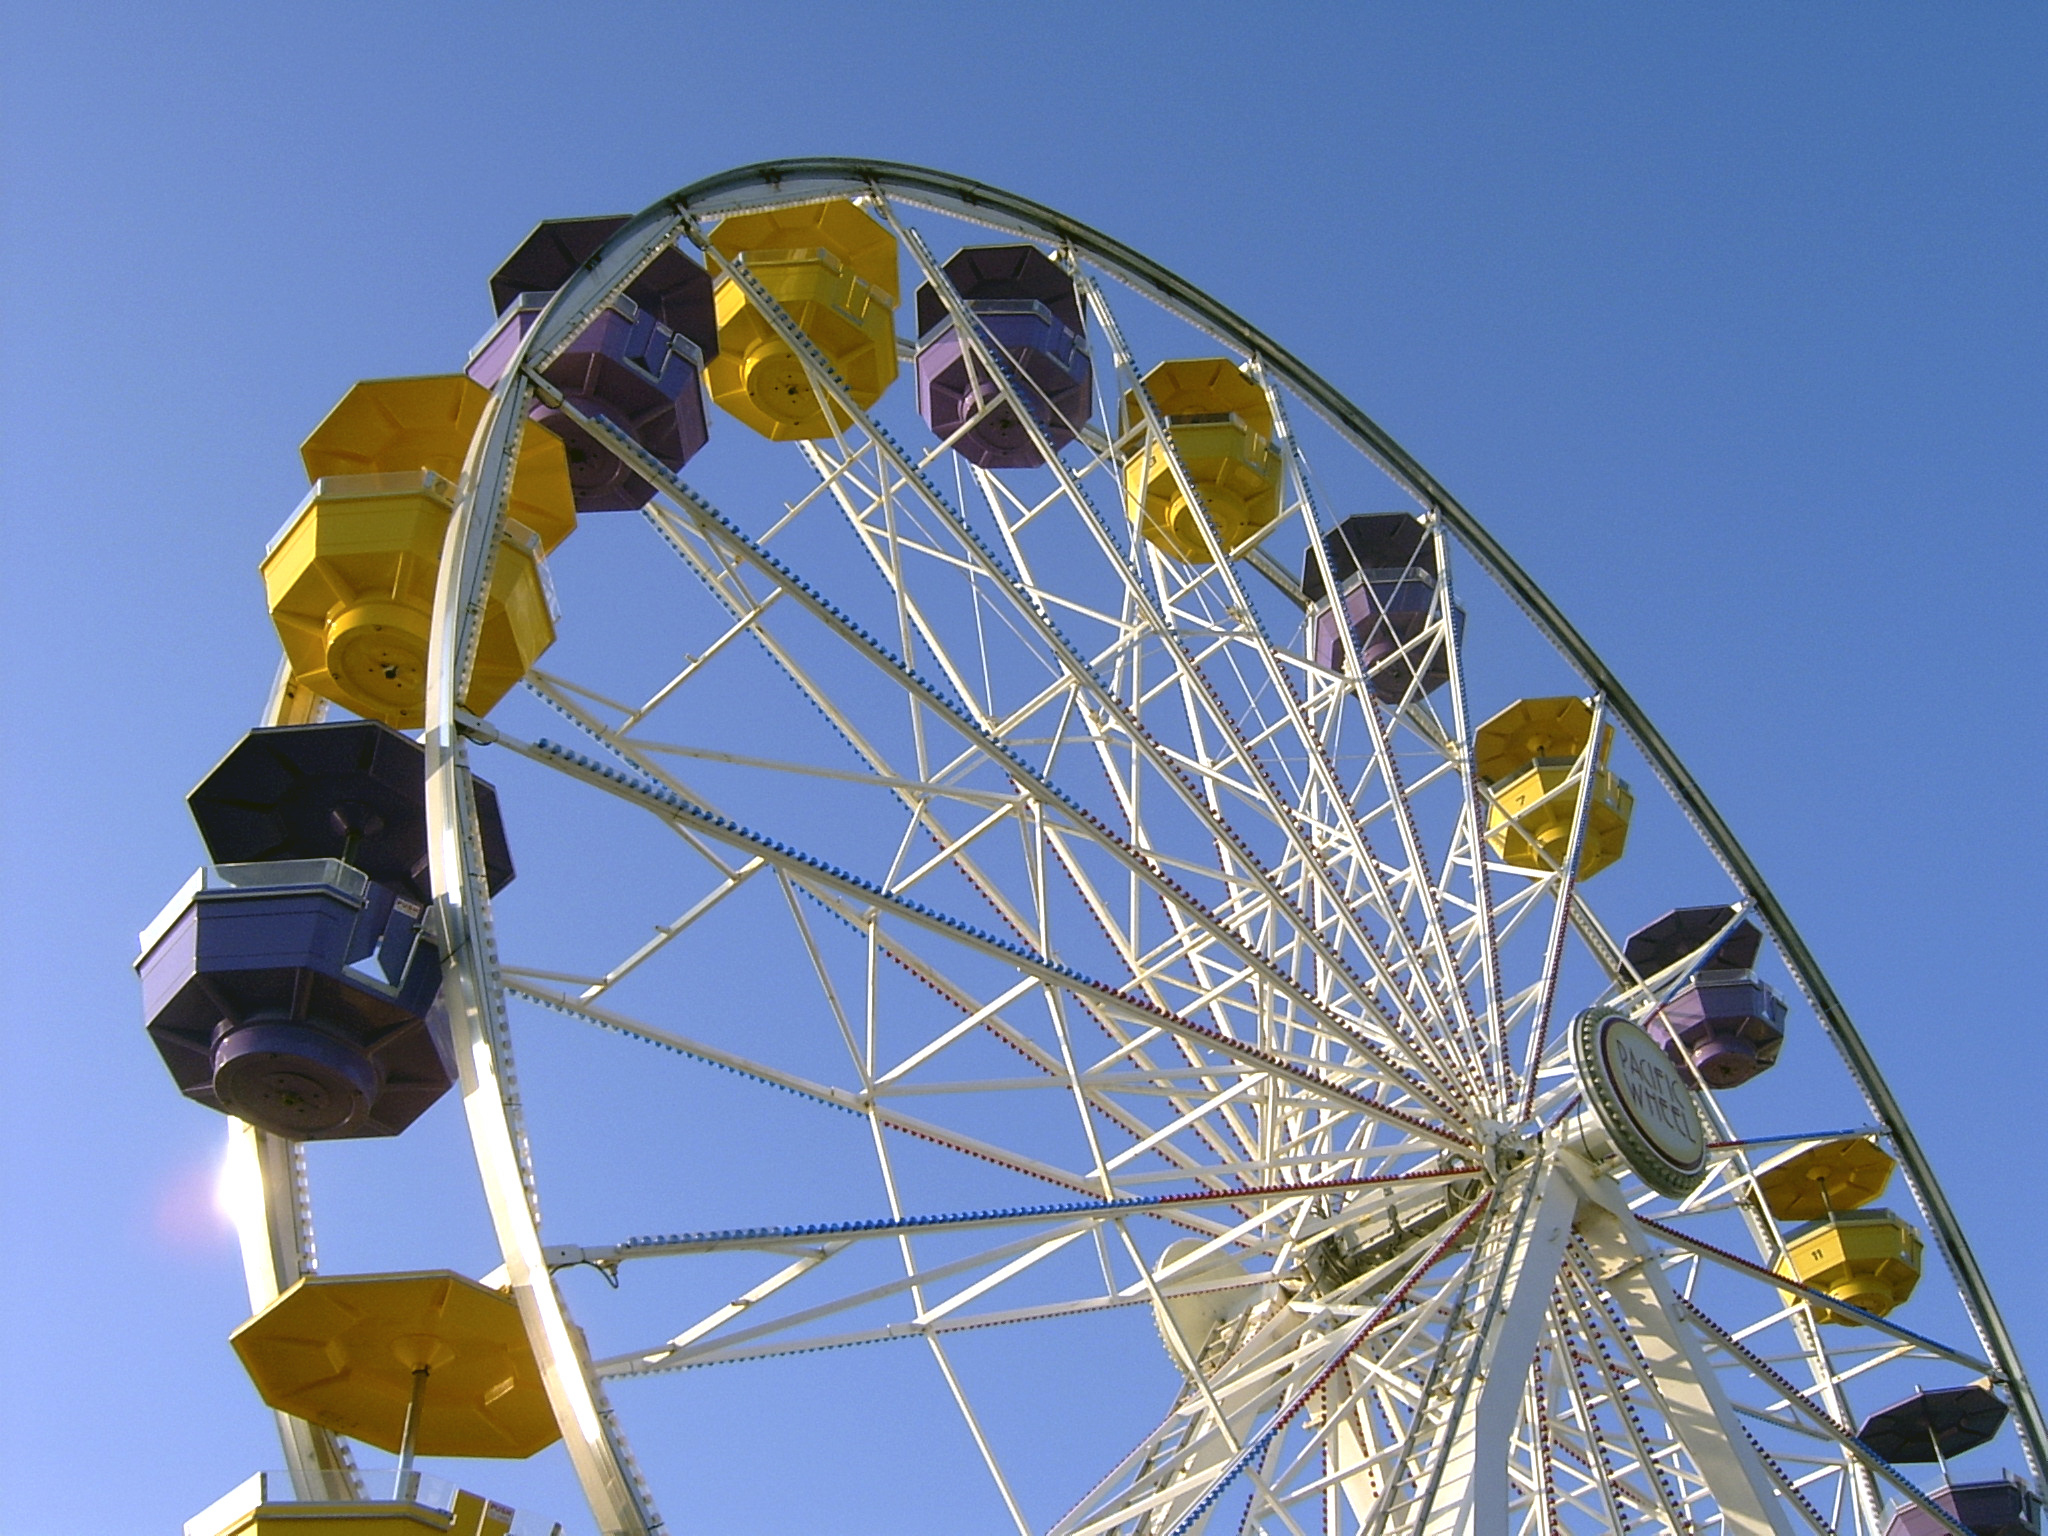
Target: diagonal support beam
x=1471 y=1493
x=1687 y=1389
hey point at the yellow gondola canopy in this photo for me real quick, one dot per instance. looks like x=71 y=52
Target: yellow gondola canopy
x=1529 y=754
x=394 y=426
x=1535 y=730
x=1221 y=427
x=833 y=270
x=341 y=1351
x=350 y=581
x=1808 y=1183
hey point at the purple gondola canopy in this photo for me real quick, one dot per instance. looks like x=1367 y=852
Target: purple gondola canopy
x=1723 y=1017
x=346 y=789
x=1935 y=1423
x=1385 y=568
x=1680 y=934
x=1028 y=307
x=638 y=363
x=673 y=286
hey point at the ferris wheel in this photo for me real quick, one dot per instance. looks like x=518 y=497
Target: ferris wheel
x=1055 y=953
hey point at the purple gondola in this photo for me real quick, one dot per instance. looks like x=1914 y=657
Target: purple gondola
x=1725 y=1017
x=638 y=363
x=2006 y=1507
x=1385 y=568
x=293 y=982
x=1030 y=311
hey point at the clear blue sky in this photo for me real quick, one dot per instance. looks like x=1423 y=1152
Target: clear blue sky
x=1728 y=319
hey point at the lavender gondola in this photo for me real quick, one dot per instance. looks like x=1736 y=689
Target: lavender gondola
x=638 y=363
x=1385 y=568
x=1030 y=311
x=255 y=999
x=2006 y=1507
x=1725 y=1017
x=292 y=983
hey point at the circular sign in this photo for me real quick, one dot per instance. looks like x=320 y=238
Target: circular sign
x=1643 y=1102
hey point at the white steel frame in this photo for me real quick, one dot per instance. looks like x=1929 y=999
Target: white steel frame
x=1436 y=1314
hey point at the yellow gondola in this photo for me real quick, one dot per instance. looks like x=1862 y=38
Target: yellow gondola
x=350 y=580
x=833 y=269
x=1529 y=753
x=1221 y=428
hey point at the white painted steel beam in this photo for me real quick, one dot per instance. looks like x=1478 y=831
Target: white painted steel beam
x=1470 y=1495
x=472 y=991
x=265 y=1177
x=1691 y=1396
